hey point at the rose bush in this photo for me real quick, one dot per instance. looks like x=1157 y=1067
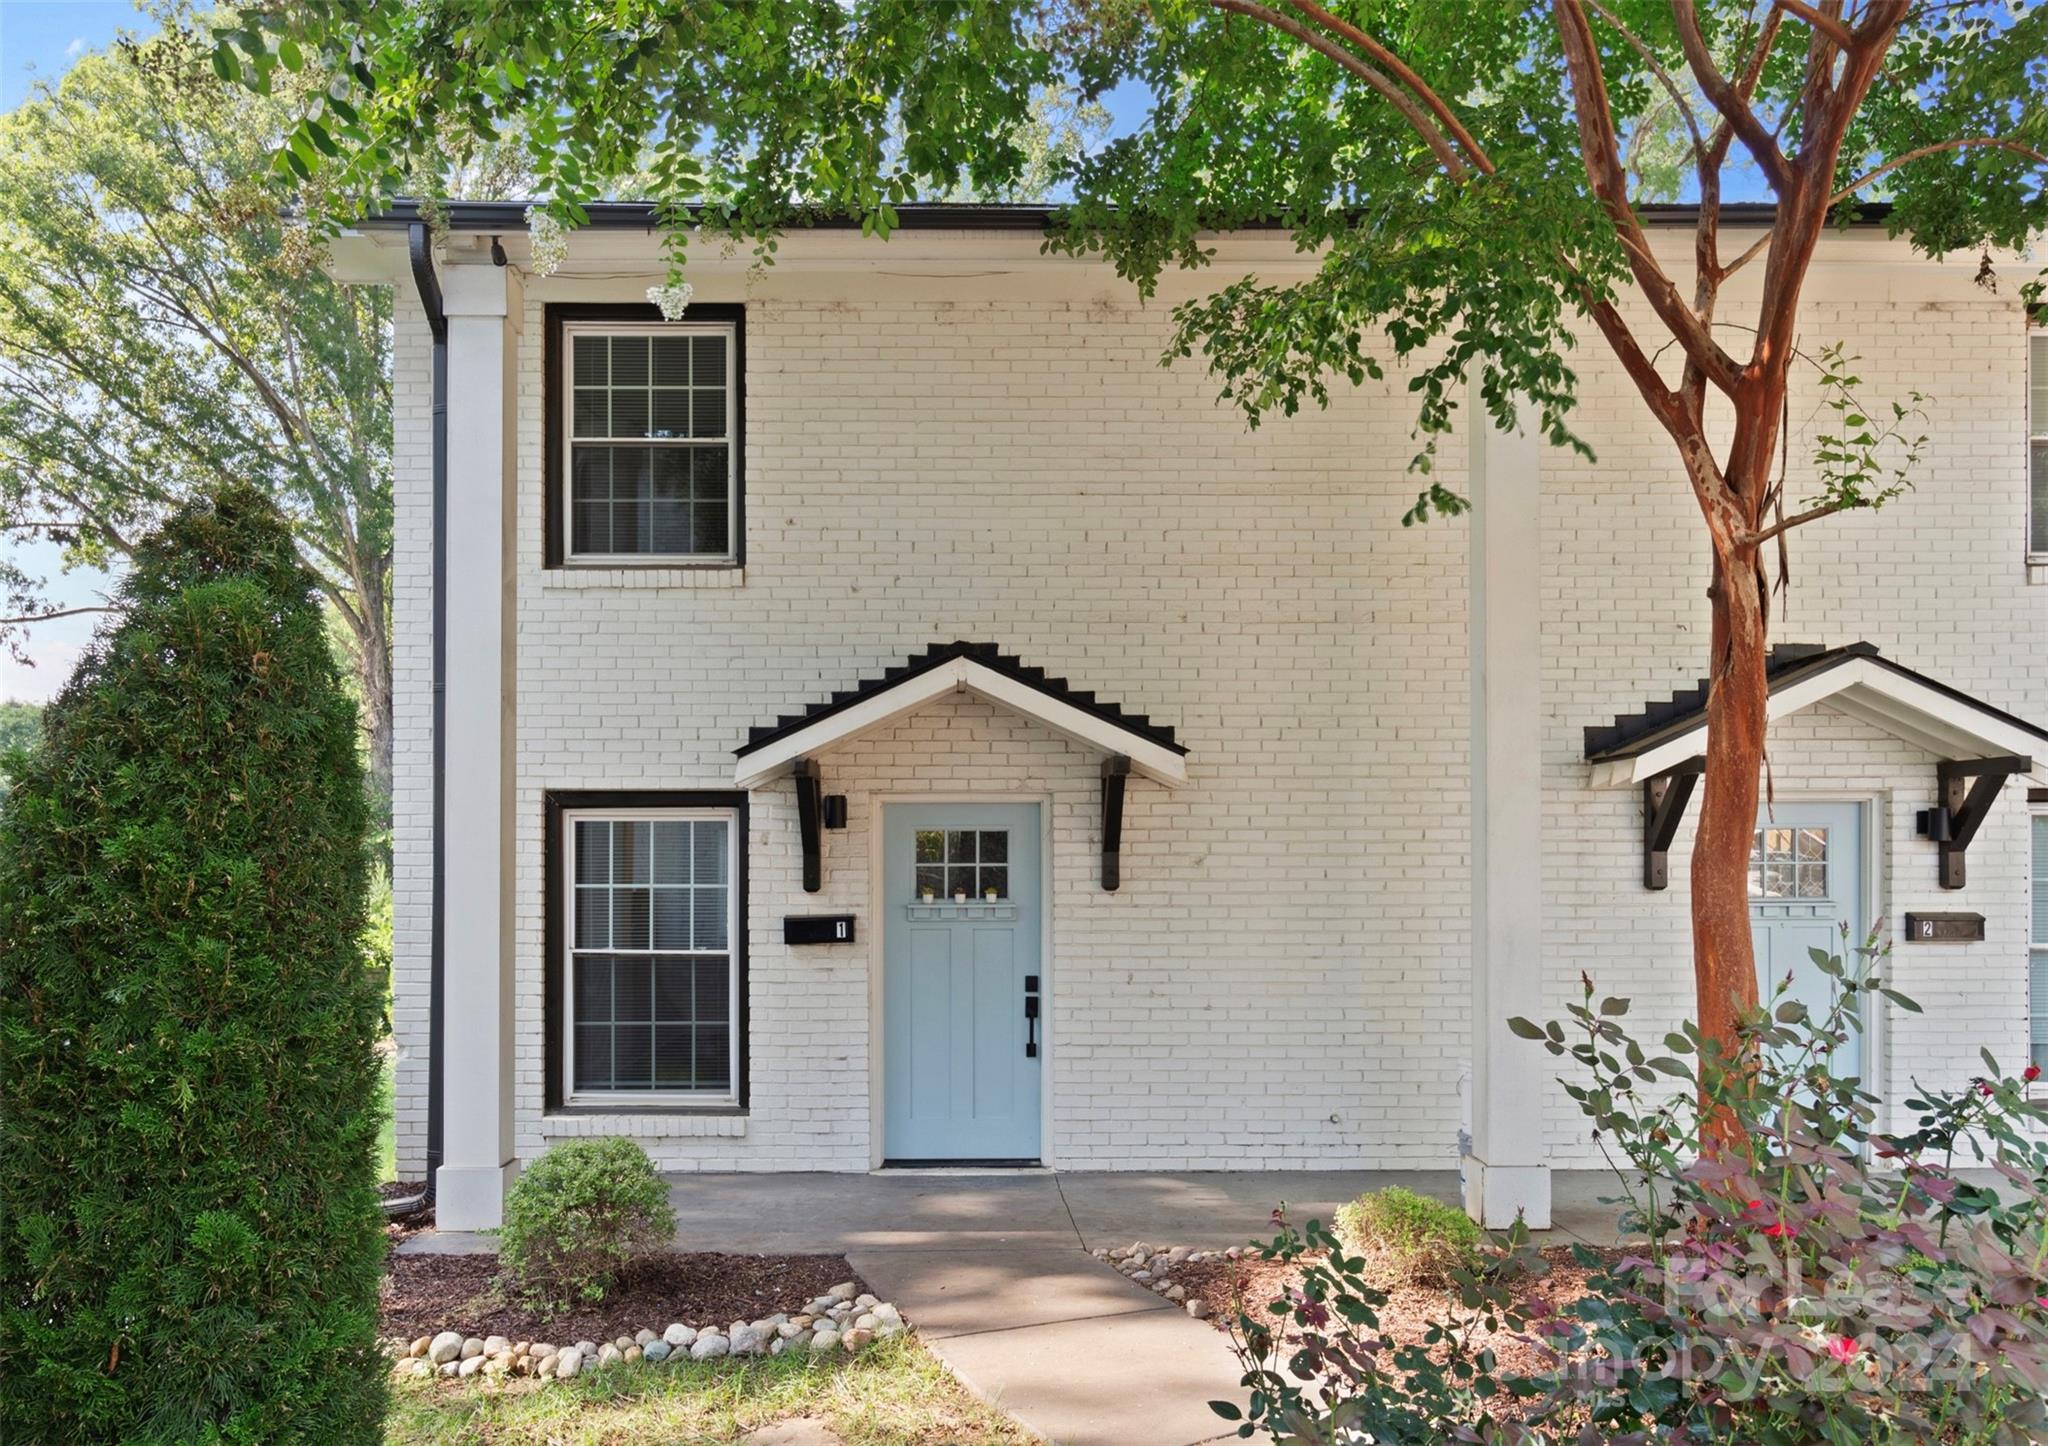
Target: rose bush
x=1813 y=1280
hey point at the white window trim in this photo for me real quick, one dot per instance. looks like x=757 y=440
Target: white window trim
x=565 y=386
x=2037 y=434
x=571 y=1096
x=2036 y=939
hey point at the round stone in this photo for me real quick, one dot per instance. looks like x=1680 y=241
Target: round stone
x=887 y=1314
x=1176 y=1292
x=609 y=1354
x=444 y=1348
x=710 y=1347
x=819 y=1306
x=1199 y=1309
x=825 y=1340
x=633 y=1353
x=472 y=1347
x=845 y=1290
x=854 y=1339
x=541 y=1350
x=642 y=1337
x=622 y=1341
x=679 y=1335
x=450 y=1369
x=493 y=1345
x=745 y=1340
x=419 y=1347
x=587 y=1348
x=568 y=1363
x=656 y=1350
x=472 y=1364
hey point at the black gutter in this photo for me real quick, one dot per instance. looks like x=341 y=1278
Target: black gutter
x=420 y=250
x=510 y=216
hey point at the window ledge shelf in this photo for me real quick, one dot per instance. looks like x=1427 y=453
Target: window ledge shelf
x=657 y=578
x=567 y=1126
x=2037 y=571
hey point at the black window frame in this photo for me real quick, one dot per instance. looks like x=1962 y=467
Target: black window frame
x=557 y=803
x=557 y=317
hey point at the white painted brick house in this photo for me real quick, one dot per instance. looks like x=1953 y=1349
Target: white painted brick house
x=663 y=538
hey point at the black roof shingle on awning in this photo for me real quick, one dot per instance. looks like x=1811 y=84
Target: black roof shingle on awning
x=1633 y=734
x=987 y=655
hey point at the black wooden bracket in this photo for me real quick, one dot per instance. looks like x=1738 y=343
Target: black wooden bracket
x=809 y=805
x=1116 y=772
x=1664 y=801
x=1969 y=786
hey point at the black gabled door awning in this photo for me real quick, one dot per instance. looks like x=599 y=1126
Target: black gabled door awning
x=1660 y=747
x=1130 y=742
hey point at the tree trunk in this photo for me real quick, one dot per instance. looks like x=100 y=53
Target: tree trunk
x=1724 y=953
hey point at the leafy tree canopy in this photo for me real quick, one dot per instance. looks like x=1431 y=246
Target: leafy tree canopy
x=163 y=330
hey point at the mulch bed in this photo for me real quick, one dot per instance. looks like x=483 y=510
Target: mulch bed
x=1226 y=1286
x=423 y=1294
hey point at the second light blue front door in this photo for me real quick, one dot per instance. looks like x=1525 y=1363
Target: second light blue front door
x=961 y=982
x=1805 y=882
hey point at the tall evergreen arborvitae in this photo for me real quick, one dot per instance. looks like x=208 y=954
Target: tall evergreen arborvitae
x=190 y=1242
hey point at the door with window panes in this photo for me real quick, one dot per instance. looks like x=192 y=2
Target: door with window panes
x=961 y=983
x=1805 y=883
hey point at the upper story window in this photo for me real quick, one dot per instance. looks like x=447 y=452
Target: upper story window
x=2037 y=445
x=644 y=437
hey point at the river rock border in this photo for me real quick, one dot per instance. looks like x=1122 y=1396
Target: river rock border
x=842 y=1319
x=1148 y=1265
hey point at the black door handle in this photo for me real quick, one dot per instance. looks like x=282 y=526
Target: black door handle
x=1031 y=1023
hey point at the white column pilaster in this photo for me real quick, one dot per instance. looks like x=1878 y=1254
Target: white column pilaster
x=1506 y=1173
x=483 y=308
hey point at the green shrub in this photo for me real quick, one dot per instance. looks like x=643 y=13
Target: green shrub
x=576 y=1216
x=190 y=1243
x=1412 y=1238
x=1802 y=1278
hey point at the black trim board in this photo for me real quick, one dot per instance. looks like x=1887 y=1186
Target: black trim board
x=556 y=802
x=554 y=316
x=988 y=655
x=509 y=217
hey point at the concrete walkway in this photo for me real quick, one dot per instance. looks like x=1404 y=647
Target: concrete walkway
x=993 y=1270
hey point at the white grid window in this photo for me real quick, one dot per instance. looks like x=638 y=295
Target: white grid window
x=963 y=862
x=2039 y=956
x=649 y=471
x=652 y=1007
x=2037 y=444
x=1789 y=863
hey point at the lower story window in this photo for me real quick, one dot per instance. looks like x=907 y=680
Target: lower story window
x=2039 y=957
x=651 y=978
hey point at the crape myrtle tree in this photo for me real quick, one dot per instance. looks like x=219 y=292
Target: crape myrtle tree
x=1461 y=173
x=190 y=1242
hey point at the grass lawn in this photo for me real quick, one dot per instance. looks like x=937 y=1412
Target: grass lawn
x=895 y=1393
x=387 y=1121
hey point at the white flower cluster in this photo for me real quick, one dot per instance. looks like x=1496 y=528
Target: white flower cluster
x=549 y=241
x=673 y=299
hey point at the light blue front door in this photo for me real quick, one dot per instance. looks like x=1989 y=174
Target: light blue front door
x=1805 y=882
x=960 y=977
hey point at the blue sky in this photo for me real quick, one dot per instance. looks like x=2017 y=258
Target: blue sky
x=38 y=40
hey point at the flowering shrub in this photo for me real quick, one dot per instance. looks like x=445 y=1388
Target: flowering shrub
x=1802 y=1277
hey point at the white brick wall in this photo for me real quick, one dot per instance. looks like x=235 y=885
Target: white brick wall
x=1281 y=981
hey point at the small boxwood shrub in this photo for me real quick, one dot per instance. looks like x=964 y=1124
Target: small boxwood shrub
x=576 y=1216
x=190 y=1242
x=1413 y=1239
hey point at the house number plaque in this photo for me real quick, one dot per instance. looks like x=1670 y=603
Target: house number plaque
x=1944 y=928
